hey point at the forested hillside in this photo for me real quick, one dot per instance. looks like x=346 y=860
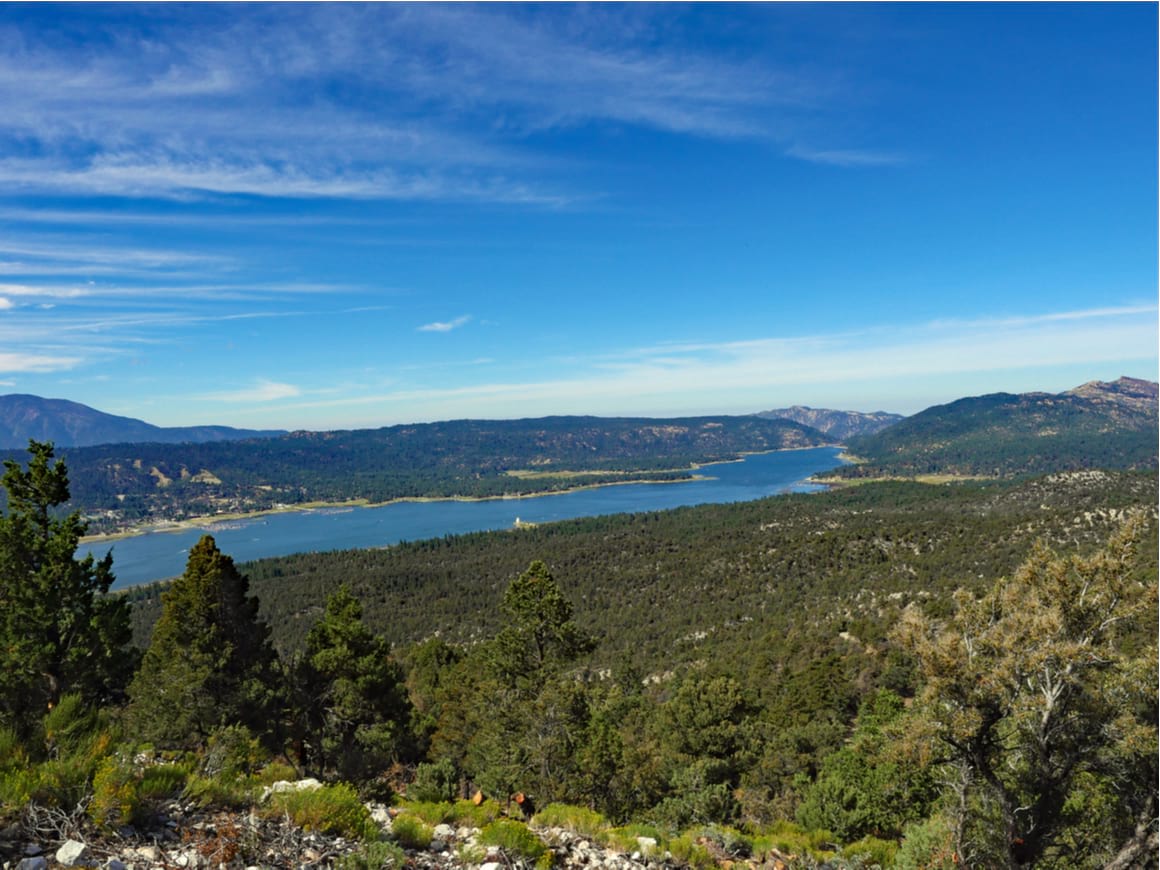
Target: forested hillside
x=1098 y=425
x=124 y=484
x=713 y=582
x=897 y=674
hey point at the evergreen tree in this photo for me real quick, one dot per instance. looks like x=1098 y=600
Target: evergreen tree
x=1039 y=715
x=209 y=663
x=59 y=630
x=534 y=717
x=355 y=713
x=540 y=637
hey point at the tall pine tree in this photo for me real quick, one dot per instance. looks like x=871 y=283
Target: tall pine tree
x=209 y=663
x=354 y=714
x=59 y=631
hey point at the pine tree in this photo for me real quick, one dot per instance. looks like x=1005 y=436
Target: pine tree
x=355 y=712
x=59 y=630
x=1039 y=716
x=209 y=663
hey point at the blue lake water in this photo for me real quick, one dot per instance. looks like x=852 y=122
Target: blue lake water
x=158 y=555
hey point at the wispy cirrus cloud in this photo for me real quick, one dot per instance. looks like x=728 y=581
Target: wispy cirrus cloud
x=261 y=391
x=438 y=102
x=725 y=377
x=31 y=362
x=445 y=326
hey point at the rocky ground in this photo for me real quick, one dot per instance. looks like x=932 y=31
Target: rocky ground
x=183 y=835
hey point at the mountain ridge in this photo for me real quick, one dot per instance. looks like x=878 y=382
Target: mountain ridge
x=71 y=424
x=837 y=424
x=1096 y=425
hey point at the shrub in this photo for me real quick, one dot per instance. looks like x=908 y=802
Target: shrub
x=116 y=796
x=373 y=856
x=411 y=832
x=275 y=771
x=226 y=792
x=163 y=780
x=795 y=840
x=513 y=838
x=578 y=820
x=686 y=850
x=872 y=851
x=467 y=813
x=233 y=751
x=68 y=726
x=435 y=782
x=927 y=846
x=332 y=809
x=431 y=812
x=625 y=838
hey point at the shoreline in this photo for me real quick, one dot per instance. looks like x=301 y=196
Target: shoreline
x=208 y=521
x=164 y=526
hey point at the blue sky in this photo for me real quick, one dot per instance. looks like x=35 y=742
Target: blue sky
x=333 y=216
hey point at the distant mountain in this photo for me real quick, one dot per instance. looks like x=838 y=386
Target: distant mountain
x=839 y=425
x=1098 y=425
x=70 y=424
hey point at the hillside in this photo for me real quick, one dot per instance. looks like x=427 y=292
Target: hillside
x=119 y=485
x=1097 y=425
x=723 y=583
x=839 y=425
x=71 y=424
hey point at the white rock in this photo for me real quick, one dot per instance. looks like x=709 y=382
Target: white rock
x=444 y=832
x=380 y=814
x=147 y=853
x=647 y=844
x=71 y=853
x=491 y=865
x=308 y=784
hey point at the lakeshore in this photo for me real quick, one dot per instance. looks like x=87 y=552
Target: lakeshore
x=160 y=553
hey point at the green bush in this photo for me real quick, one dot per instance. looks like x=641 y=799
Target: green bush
x=411 y=832
x=513 y=838
x=331 y=809
x=116 y=794
x=68 y=726
x=793 y=839
x=224 y=792
x=233 y=751
x=373 y=856
x=275 y=771
x=163 y=780
x=872 y=851
x=434 y=783
x=625 y=838
x=927 y=845
x=431 y=812
x=578 y=820
x=686 y=850
x=467 y=813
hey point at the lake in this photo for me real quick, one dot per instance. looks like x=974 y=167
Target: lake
x=158 y=555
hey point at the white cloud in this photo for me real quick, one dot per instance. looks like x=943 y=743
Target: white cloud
x=262 y=391
x=447 y=96
x=31 y=362
x=446 y=326
x=747 y=375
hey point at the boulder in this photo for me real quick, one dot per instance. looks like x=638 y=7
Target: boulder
x=72 y=853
